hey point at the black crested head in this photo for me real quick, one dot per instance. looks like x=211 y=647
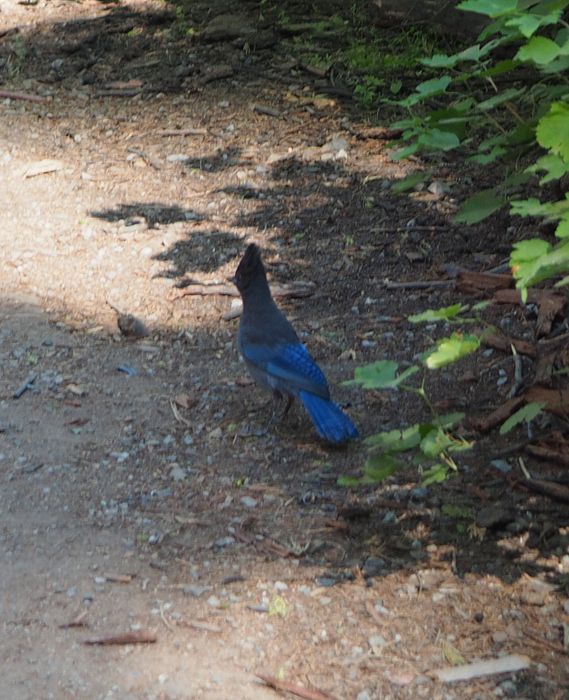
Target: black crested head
x=250 y=268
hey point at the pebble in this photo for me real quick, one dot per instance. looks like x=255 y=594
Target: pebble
x=224 y=541
x=177 y=473
x=373 y=566
x=363 y=695
x=499 y=637
x=324 y=600
x=389 y=518
x=215 y=434
x=213 y=601
x=376 y=641
x=280 y=586
x=248 y=502
x=195 y=591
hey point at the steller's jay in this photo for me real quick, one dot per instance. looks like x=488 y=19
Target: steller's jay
x=277 y=359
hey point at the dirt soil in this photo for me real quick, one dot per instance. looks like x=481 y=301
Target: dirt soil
x=140 y=491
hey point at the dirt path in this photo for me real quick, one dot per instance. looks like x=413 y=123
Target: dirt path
x=138 y=490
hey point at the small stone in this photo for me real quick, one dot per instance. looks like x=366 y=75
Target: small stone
x=438 y=188
x=213 y=601
x=177 y=473
x=215 y=434
x=195 y=591
x=364 y=695
x=324 y=600
x=248 y=502
x=224 y=541
x=389 y=518
x=280 y=586
x=376 y=641
x=177 y=157
x=499 y=637
x=373 y=566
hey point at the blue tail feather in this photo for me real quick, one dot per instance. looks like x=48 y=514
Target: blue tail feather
x=330 y=421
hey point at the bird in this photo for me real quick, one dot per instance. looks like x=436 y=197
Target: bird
x=275 y=357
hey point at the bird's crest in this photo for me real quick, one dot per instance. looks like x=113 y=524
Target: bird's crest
x=250 y=265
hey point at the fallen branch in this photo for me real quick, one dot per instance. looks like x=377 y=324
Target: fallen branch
x=423 y=284
x=476 y=282
x=182 y=132
x=9 y=94
x=297 y=690
x=78 y=621
x=497 y=417
x=126 y=638
x=547 y=488
x=465 y=672
x=501 y=342
x=550 y=454
x=555 y=400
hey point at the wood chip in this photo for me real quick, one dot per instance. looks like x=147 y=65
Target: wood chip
x=466 y=672
x=504 y=343
x=43 y=167
x=477 y=282
x=555 y=400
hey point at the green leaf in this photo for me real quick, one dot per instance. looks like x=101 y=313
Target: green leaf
x=348 y=481
x=436 y=442
x=526 y=413
x=426 y=89
x=450 y=420
x=479 y=207
x=540 y=50
x=528 y=251
x=562 y=230
x=487 y=158
x=528 y=207
x=526 y=24
x=491 y=8
x=382 y=375
x=379 y=467
x=435 y=475
x=553 y=165
x=503 y=96
x=553 y=130
x=451 y=349
x=438 y=314
x=440 y=61
x=439 y=140
x=396 y=440
x=409 y=182
x=541 y=267
x=405 y=152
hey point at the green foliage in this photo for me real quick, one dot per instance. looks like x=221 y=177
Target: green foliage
x=381 y=375
x=444 y=314
x=526 y=413
x=452 y=349
x=428 y=442
x=517 y=116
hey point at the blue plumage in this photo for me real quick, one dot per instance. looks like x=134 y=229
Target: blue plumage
x=277 y=359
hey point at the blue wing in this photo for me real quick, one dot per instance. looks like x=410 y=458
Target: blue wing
x=289 y=368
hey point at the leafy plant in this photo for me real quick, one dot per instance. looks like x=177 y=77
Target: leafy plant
x=511 y=89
